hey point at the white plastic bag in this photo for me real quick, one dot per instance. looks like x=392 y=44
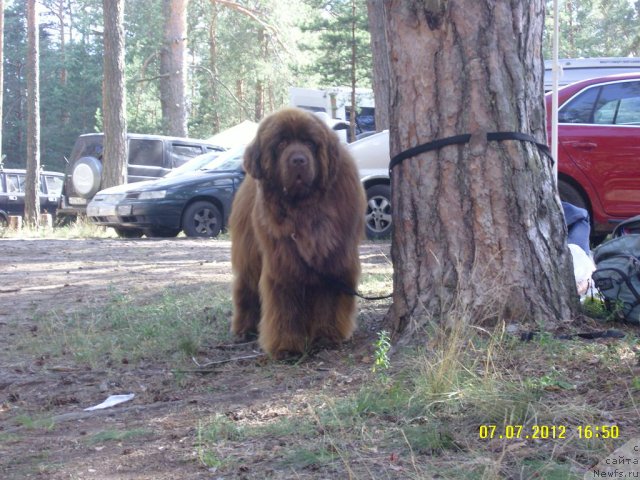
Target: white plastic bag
x=583 y=267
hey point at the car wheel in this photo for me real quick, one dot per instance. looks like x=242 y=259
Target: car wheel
x=128 y=232
x=568 y=193
x=378 y=216
x=85 y=176
x=202 y=219
x=162 y=232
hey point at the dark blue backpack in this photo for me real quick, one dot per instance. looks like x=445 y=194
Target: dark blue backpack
x=617 y=274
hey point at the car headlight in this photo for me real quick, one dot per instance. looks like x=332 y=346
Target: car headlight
x=152 y=195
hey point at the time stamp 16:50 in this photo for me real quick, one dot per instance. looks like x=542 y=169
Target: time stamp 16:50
x=547 y=432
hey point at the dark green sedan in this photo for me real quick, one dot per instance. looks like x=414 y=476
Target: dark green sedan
x=197 y=202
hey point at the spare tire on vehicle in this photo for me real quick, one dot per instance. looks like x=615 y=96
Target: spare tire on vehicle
x=86 y=176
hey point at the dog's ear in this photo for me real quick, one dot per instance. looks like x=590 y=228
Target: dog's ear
x=252 y=159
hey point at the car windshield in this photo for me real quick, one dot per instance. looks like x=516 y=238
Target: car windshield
x=229 y=160
x=194 y=164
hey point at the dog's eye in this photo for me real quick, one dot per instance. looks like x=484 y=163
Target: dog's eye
x=310 y=145
x=281 y=145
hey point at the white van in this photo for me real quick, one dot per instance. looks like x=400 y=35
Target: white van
x=575 y=69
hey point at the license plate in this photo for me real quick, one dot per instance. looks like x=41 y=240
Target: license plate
x=77 y=201
x=101 y=210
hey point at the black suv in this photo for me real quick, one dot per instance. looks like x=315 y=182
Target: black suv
x=12 y=192
x=150 y=156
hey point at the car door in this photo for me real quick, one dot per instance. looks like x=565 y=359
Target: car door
x=599 y=130
x=51 y=187
x=146 y=159
x=15 y=193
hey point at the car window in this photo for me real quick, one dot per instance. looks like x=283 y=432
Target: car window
x=180 y=154
x=90 y=146
x=618 y=104
x=15 y=183
x=579 y=109
x=2 y=190
x=229 y=160
x=54 y=184
x=146 y=152
x=193 y=164
x=612 y=104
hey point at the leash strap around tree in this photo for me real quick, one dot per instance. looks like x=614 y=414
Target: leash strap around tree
x=465 y=138
x=340 y=284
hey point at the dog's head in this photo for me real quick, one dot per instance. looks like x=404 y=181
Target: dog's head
x=294 y=153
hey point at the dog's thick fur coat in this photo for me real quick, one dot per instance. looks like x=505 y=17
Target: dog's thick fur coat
x=296 y=223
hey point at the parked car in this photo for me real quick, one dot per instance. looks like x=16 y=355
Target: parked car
x=598 y=154
x=599 y=148
x=150 y=156
x=371 y=154
x=197 y=202
x=12 y=192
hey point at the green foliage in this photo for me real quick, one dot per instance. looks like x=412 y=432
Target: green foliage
x=381 y=361
x=594 y=28
x=339 y=27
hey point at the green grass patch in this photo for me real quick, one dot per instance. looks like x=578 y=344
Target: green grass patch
x=81 y=228
x=35 y=423
x=173 y=324
x=117 y=435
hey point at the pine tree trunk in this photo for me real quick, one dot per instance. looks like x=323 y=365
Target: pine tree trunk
x=376 y=14
x=114 y=96
x=477 y=227
x=173 y=68
x=213 y=62
x=1 y=72
x=32 y=180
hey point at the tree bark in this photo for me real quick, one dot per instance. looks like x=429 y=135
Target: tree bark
x=32 y=179
x=376 y=14
x=114 y=159
x=1 y=72
x=213 y=62
x=173 y=68
x=478 y=228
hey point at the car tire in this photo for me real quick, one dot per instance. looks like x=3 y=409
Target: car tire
x=128 y=232
x=86 y=175
x=160 y=232
x=378 y=216
x=202 y=219
x=568 y=193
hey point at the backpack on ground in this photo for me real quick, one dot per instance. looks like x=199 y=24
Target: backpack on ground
x=617 y=274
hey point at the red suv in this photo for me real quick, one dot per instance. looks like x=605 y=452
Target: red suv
x=599 y=147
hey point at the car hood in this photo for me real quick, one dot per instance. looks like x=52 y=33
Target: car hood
x=164 y=183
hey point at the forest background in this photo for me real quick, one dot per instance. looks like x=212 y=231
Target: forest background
x=243 y=56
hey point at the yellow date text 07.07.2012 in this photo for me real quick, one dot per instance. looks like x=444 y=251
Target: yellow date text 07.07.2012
x=544 y=432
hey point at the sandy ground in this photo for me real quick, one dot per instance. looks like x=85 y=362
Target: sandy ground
x=44 y=431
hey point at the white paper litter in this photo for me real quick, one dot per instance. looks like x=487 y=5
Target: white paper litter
x=111 y=401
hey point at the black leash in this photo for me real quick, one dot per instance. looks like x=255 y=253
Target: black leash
x=465 y=138
x=336 y=282
x=342 y=287
x=529 y=336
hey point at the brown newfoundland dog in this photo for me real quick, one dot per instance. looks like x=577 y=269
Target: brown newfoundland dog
x=296 y=224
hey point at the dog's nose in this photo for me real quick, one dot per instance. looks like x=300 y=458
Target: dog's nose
x=298 y=160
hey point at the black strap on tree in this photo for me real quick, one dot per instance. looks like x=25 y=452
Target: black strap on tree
x=339 y=284
x=465 y=138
